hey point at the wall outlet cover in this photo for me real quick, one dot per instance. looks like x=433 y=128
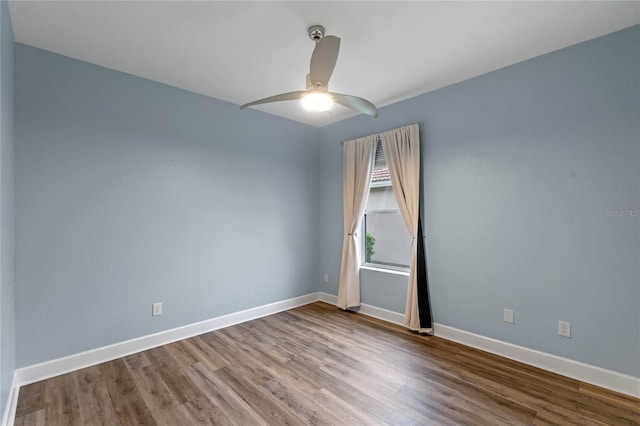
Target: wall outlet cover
x=508 y=315
x=564 y=329
x=156 y=309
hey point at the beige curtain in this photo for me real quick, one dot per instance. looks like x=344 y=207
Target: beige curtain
x=357 y=165
x=402 y=151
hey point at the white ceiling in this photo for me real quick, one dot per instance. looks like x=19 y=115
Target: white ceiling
x=241 y=51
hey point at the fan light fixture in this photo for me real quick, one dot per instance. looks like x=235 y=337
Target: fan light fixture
x=317 y=100
x=317 y=96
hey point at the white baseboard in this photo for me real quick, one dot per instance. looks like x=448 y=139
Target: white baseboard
x=12 y=403
x=328 y=298
x=383 y=314
x=369 y=310
x=47 y=369
x=598 y=376
x=612 y=380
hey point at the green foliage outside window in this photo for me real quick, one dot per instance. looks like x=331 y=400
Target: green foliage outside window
x=370 y=243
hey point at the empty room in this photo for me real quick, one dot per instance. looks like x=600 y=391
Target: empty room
x=319 y=213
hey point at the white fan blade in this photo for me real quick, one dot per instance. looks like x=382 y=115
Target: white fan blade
x=323 y=60
x=354 y=102
x=290 y=96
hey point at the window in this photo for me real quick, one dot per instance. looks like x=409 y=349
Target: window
x=386 y=242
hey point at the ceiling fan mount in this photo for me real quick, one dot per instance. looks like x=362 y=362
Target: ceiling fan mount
x=317 y=97
x=316 y=32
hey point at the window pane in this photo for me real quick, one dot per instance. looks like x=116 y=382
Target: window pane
x=381 y=198
x=387 y=240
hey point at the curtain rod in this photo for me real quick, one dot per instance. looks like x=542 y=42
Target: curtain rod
x=420 y=124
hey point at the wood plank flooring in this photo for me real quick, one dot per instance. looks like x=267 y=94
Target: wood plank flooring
x=317 y=365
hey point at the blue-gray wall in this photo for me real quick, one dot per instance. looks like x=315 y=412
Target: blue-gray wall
x=520 y=168
x=130 y=192
x=7 y=239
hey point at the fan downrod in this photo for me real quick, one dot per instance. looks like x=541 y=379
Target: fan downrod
x=316 y=32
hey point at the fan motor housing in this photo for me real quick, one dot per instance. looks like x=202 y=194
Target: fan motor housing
x=316 y=32
x=316 y=86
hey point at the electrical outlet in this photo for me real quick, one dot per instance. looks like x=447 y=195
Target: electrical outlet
x=564 y=329
x=326 y=278
x=157 y=309
x=508 y=315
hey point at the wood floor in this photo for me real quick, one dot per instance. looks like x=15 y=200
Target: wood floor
x=318 y=365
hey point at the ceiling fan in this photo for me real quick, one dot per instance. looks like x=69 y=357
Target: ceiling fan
x=317 y=96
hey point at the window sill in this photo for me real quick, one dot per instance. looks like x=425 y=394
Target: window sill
x=386 y=271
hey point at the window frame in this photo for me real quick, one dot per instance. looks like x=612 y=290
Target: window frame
x=363 y=244
x=362 y=232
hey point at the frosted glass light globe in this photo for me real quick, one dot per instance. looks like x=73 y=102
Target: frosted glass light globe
x=317 y=100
